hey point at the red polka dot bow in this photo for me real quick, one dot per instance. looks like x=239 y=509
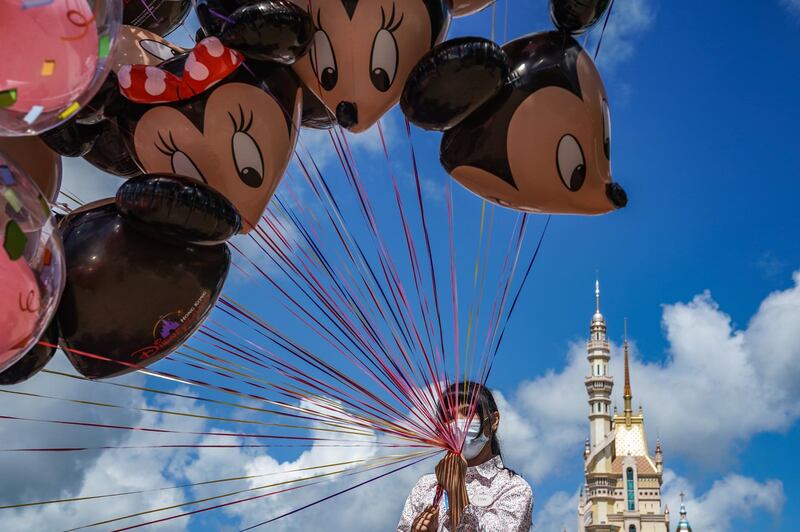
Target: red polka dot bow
x=207 y=64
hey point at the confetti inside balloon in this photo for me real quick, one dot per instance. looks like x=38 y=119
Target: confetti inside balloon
x=55 y=55
x=31 y=264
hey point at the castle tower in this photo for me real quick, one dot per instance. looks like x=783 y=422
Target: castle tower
x=599 y=383
x=622 y=488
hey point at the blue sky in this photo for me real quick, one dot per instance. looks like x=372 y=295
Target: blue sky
x=701 y=262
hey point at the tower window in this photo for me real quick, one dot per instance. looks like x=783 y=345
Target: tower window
x=632 y=528
x=631 y=491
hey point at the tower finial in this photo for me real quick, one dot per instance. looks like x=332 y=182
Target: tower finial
x=628 y=396
x=597 y=293
x=683 y=524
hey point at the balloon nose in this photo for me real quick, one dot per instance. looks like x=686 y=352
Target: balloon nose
x=347 y=114
x=617 y=195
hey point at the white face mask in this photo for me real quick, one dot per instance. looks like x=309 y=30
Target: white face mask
x=475 y=439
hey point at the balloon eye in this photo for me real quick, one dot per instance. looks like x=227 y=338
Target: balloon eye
x=570 y=162
x=248 y=160
x=383 y=63
x=323 y=60
x=606 y=130
x=183 y=165
x=157 y=49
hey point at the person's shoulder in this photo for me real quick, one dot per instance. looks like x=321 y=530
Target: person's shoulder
x=517 y=483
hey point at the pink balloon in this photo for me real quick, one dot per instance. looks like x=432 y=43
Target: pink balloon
x=20 y=303
x=49 y=52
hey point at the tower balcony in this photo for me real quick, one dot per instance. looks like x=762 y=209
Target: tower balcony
x=600 y=345
x=599 y=384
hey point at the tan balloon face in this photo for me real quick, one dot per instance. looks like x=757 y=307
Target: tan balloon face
x=364 y=60
x=242 y=150
x=136 y=46
x=558 y=151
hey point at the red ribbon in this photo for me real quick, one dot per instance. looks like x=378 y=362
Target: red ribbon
x=207 y=64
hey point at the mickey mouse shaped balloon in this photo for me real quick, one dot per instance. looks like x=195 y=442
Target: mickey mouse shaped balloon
x=362 y=50
x=526 y=125
x=144 y=269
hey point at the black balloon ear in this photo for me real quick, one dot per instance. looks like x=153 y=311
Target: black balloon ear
x=173 y=207
x=452 y=80
x=72 y=139
x=76 y=137
x=110 y=154
x=576 y=16
x=34 y=360
x=268 y=30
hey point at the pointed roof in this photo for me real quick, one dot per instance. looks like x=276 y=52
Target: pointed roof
x=598 y=316
x=628 y=395
x=683 y=524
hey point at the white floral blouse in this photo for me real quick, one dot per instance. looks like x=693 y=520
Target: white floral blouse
x=498 y=501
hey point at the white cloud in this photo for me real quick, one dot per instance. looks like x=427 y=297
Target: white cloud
x=732 y=497
x=31 y=477
x=320 y=145
x=558 y=513
x=629 y=19
x=792 y=5
x=358 y=510
x=710 y=367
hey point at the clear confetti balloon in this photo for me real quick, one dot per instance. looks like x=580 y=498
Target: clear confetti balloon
x=54 y=56
x=32 y=269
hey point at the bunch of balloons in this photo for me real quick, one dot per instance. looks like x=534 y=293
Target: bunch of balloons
x=204 y=136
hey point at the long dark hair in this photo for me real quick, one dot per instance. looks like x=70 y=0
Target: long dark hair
x=464 y=393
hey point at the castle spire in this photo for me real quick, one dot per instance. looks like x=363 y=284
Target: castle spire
x=597 y=295
x=683 y=524
x=628 y=396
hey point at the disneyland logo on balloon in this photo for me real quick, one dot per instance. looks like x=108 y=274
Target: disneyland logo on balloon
x=172 y=326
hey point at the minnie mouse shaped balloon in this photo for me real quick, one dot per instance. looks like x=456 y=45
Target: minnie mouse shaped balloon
x=362 y=50
x=205 y=116
x=526 y=126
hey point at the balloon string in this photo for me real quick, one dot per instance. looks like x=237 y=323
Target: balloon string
x=516 y=296
x=319 y=363
x=335 y=494
x=193 y=382
x=177 y=413
x=206 y=482
x=170 y=431
x=304 y=482
x=603 y=31
x=304 y=394
x=414 y=263
x=220 y=446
